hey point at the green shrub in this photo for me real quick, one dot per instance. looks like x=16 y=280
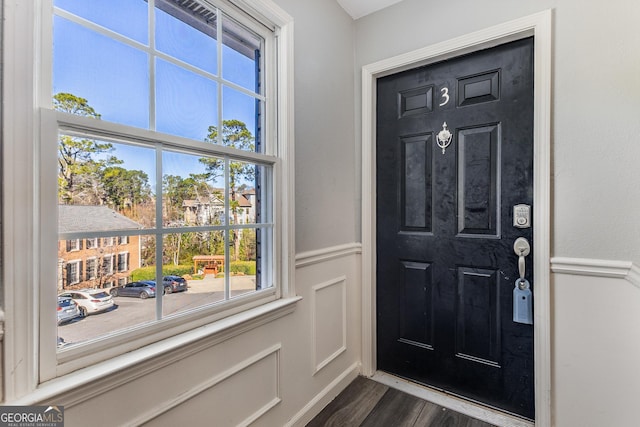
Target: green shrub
x=149 y=273
x=240 y=268
x=248 y=268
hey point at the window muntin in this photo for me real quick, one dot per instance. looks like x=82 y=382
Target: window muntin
x=180 y=83
x=241 y=235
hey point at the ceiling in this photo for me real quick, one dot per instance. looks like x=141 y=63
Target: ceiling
x=359 y=8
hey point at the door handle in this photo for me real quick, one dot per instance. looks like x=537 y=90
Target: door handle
x=522 y=248
x=522 y=298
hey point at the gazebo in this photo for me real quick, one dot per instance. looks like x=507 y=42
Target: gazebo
x=210 y=264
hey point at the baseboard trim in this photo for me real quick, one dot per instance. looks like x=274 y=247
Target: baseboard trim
x=304 y=259
x=322 y=399
x=597 y=267
x=454 y=403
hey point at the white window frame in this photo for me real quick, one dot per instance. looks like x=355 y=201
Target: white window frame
x=96 y=265
x=74 y=245
x=29 y=237
x=107 y=266
x=94 y=243
x=126 y=262
x=78 y=273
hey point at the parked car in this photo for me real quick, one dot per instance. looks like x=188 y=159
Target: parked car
x=142 y=289
x=174 y=284
x=90 y=300
x=67 y=310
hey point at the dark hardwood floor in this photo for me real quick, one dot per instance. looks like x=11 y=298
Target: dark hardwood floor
x=370 y=404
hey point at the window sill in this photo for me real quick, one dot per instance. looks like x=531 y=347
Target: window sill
x=84 y=384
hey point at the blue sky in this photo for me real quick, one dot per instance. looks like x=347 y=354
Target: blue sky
x=114 y=77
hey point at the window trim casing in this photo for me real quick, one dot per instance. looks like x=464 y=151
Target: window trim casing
x=25 y=29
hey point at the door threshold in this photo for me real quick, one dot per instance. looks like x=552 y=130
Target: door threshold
x=466 y=407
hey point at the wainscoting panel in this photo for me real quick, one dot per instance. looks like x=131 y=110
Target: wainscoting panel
x=226 y=399
x=329 y=321
x=596 y=319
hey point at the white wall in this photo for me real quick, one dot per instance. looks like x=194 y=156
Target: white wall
x=595 y=192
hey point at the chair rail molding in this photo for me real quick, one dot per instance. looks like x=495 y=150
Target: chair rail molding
x=626 y=270
x=304 y=259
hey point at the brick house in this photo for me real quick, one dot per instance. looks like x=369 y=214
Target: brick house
x=99 y=262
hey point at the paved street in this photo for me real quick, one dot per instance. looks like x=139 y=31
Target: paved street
x=131 y=311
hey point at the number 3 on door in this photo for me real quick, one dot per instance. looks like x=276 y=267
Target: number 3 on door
x=445 y=96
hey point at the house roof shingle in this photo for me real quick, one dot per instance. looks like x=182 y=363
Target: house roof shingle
x=78 y=218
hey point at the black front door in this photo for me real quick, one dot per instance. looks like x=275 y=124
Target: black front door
x=446 y=267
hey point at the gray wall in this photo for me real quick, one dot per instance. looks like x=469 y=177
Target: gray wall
x=325 y=142
x=595 y=103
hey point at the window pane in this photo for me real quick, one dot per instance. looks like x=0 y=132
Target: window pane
x=240 y=55
x=193 y=190
x=109 y=185
x=246 y=181
x=187 y=36
x=201 y=256
x=240 y=117
x=126 y=17
x=186 y=103
x=91 y=278
x=243 y=271
x=90 y=66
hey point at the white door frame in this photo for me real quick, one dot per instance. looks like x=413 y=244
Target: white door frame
x=538 y=26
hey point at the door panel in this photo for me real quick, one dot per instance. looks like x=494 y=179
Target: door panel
x=478 y=337
x=445 y=262
x=416 y=320
x=479 y=180
x=416 y=183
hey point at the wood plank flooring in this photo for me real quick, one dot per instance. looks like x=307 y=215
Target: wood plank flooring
x=368 y=403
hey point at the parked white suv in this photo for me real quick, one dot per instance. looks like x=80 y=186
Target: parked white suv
x=90 y=300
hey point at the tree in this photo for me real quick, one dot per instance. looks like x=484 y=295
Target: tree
x=123 y=188
x=248 y=246
x=77 y=164
x=234 y=134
